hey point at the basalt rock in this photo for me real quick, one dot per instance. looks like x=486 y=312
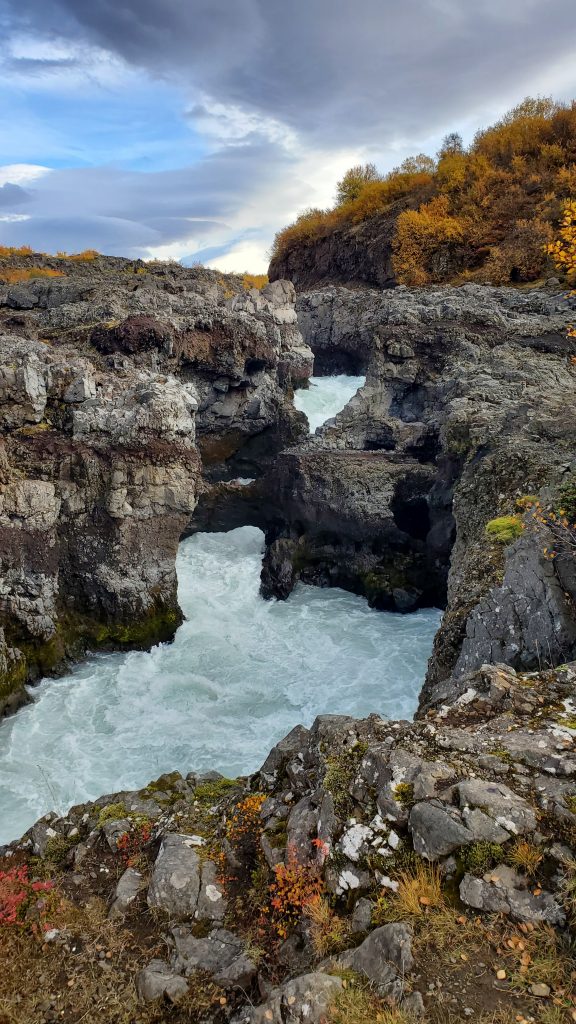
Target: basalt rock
x=125 y=390
x=465 y=411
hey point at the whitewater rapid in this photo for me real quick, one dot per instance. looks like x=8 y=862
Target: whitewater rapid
x=325 y=397
x=239 y=675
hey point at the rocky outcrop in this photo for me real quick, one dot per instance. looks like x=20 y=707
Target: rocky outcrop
x=357 y=254
x=365 y=854
x=467 y=408
x=124 y=389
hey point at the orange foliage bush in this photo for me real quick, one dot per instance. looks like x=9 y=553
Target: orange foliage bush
x=295 y=888
x=505 y=196
x=79 y=257
x=16 y=275
x=9 y=250
x=244 y=824
x=420 y=234
x=258 y=281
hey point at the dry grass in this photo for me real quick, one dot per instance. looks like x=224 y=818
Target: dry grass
x=356 y=1005
x=92 y=980
x=329 y=932
x=17 y=275
x=419 y=892
x=525 y=856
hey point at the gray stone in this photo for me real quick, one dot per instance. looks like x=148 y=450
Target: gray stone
x=302 y=829
x=175 y=884
x=435 y=831
x=127 y=889
x=114 y=830
x=157 y=980
x=221 y=953
x=304 y=1000
x=413 y=1005
x=362 y=916
x=294 y=742
x=508 y=810
x=484 y=828
x=383 y=957
x=495 y=897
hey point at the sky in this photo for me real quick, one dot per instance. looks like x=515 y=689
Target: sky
x=195 y=129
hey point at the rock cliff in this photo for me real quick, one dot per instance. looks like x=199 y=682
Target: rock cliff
x=466 y=416
x=123 y=387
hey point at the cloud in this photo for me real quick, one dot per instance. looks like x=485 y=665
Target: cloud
x=242 y=113
x=327 y=68
x=12 y=195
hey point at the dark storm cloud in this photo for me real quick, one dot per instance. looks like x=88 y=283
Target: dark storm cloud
x=333 y=68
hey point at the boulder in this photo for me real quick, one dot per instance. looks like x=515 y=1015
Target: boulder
x=157 y=980
x=384 y=957
x=437 y=830
x=175 y=884
x=221 y=954
x=304 y=1000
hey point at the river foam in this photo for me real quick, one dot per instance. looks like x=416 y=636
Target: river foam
x=325 y=397
x=239 y=675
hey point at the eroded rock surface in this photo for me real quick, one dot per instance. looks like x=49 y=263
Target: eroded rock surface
x=125 y=390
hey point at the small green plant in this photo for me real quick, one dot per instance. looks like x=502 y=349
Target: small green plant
x=570 y=802
x=504 y=529
x=478 y=858
x=58 y=848
x=567 y=500
x=404 y=793
x=113 y=812
x=341 y=770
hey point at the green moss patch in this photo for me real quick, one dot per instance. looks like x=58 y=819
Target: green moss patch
x=504 y=529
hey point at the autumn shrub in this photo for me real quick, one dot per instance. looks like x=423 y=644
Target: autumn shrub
x=519 y=257
x=257 y=281
x=86 y=256
x=420 y=234
x=244 y=824
x=500 y=203
x=132 y=843
x=20 y=896
x=354 y=182
x=9 y=250
x=560 y=526
x=295 y=888
x=16 y=275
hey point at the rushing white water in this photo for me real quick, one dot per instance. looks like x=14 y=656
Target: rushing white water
x=240 y=673
x=325 y=397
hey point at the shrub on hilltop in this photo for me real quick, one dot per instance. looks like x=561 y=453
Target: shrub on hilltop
x=488 y=212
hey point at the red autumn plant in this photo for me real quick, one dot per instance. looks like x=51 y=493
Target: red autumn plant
x=19 y=895
x=295 y=887
x=131 y=844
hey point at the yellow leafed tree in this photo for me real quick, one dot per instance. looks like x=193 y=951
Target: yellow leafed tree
x=563 y=250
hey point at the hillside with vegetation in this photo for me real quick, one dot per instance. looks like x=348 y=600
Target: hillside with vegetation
x=485 y=213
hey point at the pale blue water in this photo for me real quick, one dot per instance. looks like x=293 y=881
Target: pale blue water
x=239 y=675
x=325 y=397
